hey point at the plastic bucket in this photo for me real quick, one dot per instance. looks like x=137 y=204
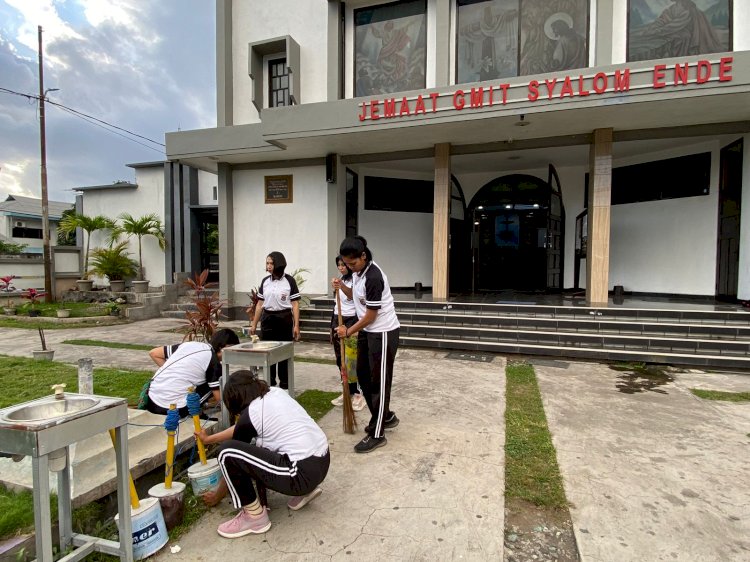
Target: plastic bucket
x=205 y=477
x=149 y=530
x=172 y=502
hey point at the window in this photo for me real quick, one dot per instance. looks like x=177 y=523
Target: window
x=278 y=83
x=390 y=48
x=658 y=30
x=505 y=38
x=22 y=232
x=216 y=193
x=400 y=195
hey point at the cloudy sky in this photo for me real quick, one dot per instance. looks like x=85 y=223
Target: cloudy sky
x=147 y=66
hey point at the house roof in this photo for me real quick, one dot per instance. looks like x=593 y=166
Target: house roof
x=29 y=207
x=116 y=185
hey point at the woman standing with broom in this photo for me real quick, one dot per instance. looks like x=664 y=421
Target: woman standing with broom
x=377 y=342
x=349 y=318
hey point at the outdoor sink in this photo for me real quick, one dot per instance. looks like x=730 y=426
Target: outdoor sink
x=50 y=409
x=266 y=344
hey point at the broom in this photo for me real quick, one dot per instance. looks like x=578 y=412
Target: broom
x=349 y=421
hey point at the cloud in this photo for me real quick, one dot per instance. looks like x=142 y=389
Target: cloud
x=145 y=66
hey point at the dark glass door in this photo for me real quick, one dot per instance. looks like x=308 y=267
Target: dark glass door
x=730 y=203
x=555 y=230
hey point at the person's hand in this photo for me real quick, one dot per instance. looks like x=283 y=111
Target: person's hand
x=203 y=436
x=341 y=331
x=336 y=283
x=252 y=330
x=295 y=333
x=214 y=497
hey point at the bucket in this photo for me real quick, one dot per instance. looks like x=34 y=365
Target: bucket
x=205 y=477
x=149 y=530
x=172 y=502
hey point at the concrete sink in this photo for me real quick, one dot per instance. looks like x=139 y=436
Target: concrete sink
x=49 y=409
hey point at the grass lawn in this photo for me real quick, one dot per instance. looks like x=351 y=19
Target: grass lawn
x=26 y=379
x=721 y=395
x=531 y=471
x=111 y=344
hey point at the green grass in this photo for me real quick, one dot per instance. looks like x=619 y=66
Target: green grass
x=26 y=379
x=531 y=471
x=114 y=345
x=721 y=395
x=316 y=403
x=17 y=512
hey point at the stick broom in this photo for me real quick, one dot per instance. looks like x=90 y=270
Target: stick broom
x=349 y=421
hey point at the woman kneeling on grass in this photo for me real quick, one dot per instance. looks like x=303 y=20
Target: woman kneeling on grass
x=290 y=454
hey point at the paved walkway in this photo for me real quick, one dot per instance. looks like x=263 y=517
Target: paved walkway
x=652 y=475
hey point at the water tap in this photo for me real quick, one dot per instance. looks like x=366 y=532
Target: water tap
x=58 y=388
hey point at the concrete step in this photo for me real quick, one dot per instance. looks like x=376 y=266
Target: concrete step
x=93 y=470
x=180 y=314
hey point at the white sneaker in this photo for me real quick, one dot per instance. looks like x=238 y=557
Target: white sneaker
x=358 y=402
x=338 y=401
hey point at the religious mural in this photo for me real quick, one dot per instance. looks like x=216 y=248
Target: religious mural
x=487 y=40
x=391 y=48
x=554 y=35
x=675 y=28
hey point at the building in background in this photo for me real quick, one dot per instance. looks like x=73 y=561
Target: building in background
x=21 y=221
x=522 y=145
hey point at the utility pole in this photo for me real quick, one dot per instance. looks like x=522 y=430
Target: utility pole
x=45 y=201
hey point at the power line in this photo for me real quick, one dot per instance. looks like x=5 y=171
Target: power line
x=86 y=117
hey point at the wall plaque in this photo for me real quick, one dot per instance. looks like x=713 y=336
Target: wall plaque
x=278 y=189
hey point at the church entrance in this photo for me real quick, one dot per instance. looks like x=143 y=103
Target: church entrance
x=518 y=229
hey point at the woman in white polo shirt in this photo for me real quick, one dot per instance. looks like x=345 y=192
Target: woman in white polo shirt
x=279 y=313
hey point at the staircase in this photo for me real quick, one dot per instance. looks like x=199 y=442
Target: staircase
x=703 y=338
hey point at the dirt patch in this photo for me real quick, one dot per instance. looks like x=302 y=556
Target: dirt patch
x=537 y=534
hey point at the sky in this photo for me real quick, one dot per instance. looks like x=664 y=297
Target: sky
x=147 y=66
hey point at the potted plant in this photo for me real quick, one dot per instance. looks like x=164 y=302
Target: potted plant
x=43 y=354
x=69 y=224
x=6 y=286
x=62 y=310
x=112 y=308
x=115 y=264
x=33 y=297
x=147 y=225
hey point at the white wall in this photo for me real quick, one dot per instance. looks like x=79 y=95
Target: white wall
x=299 y=230
x=306 y=22
x=207 y=182
x=146 y=199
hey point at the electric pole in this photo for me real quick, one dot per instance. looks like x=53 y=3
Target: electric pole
x=45 y=202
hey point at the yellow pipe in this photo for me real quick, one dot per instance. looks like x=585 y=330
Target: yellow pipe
x=134 y=502
x=170 y=455
x=197 y=426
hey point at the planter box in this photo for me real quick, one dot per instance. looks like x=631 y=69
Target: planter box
x=140 y=286
x=85 y=284
x=63 y=313
x=117 y=286
x=44 y=355
x=9 y=311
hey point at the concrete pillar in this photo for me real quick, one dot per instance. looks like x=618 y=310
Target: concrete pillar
x=224 y=76
x=442 y=47
x=604 y=33
x=226 y=234
x=441 y=221
x=743 y=283
x=600 y=197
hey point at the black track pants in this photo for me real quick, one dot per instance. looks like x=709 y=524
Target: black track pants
x=376 y=352
x=278 y=326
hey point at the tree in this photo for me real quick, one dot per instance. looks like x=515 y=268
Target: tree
x=70 y=223
x=147 y=225
x=11 y=249
x=68 y=239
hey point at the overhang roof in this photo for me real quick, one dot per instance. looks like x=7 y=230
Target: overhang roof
x=116 y=185
x=18 y=206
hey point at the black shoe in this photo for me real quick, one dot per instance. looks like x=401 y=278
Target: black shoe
x=369 y=444
x=389 y=423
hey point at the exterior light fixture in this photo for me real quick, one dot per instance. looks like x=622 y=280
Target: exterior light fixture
x=509 y=206
x=522 y=121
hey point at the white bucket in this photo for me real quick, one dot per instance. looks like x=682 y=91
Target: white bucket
x=205 y=477
x=149 y=530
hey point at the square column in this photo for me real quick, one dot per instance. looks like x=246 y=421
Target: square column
x=599 y=204
x=441 y=221
x=226 y=234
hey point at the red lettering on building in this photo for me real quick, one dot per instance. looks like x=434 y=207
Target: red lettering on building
x=504 y=88
x=420 y=106
x=601 y=83
x=725 y=69
x=458 y=99
x=622 y=80
x=404 y=107
x=389 y=108
x=363 y=115
x=567 y=88
x=477 y=97
x=550 y=87
x=582 y=91
x=434 y=96
x=659 y=73
x=681 y=74
x=375 y=110
x=703 y=72
x=533 y=90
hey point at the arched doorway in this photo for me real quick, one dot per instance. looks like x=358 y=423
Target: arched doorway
x=517 y=240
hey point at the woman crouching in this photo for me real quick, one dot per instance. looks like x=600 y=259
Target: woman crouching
x=290 y=454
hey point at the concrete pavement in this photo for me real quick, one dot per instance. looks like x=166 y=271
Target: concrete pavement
x=653 y=472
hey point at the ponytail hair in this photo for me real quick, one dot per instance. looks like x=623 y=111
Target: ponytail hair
x=354 y=247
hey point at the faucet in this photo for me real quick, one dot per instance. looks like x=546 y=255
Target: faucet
x=58 y=388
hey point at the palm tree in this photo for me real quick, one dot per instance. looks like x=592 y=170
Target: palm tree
x=147 y=225
x=71 y=222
